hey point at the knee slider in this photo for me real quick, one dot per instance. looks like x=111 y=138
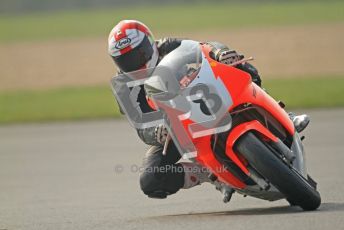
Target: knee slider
x=151 y=186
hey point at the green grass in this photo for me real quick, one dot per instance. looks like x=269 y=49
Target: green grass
x=57 y=104
x=47 y=25
x=98 y=102
x=308 y=92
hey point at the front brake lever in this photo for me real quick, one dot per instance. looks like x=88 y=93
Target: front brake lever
x=167 y=141
x=242 y=61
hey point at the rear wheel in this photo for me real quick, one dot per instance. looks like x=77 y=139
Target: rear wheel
x=288 y=181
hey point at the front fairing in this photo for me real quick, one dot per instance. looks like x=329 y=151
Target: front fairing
x=201 y=106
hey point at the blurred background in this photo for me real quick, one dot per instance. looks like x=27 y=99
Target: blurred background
x=54 y=67
x=54 y=62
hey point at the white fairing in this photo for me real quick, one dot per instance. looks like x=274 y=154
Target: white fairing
x=206 y=76
x=188 y=62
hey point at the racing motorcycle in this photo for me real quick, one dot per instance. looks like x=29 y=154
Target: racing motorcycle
x=219 y=118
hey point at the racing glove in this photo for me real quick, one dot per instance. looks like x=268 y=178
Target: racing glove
x=160 y=134
x=229 y=56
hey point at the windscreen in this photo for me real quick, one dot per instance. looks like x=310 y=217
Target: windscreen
x=182 y=64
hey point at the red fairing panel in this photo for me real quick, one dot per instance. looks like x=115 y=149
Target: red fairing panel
x=237 y=132
x=206 y=157
x=243 y=90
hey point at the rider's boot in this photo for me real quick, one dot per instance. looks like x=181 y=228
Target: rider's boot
x=300 y=121
x=195 y=174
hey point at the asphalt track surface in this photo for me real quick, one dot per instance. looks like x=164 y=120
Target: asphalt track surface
x=83 y=175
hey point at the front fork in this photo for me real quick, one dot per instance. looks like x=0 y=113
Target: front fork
x=293 y=156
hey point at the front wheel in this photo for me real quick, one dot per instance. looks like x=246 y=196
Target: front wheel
x=287 y=180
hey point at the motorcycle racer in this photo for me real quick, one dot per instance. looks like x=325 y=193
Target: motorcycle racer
x=132 y=47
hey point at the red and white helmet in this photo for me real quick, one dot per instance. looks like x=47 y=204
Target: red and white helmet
x=132 y=46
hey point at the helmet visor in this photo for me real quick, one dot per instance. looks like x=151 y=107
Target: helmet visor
x=136 y=58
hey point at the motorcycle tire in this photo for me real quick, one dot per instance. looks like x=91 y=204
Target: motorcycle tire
x=287 y=180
